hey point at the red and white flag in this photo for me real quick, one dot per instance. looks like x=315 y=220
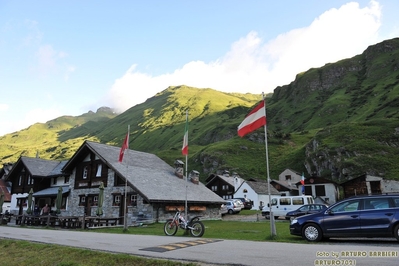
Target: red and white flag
x=254 y=120
x=303 y=184
x=125 y=146
x=184 y=149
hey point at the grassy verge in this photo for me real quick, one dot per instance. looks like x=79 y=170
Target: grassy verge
x=24 y=253
x=234 y=230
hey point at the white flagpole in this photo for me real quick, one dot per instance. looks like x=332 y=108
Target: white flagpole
x=127 y=173
x=272 y=222
x=185 y=205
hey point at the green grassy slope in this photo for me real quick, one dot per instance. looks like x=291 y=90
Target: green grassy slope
x=341 y=118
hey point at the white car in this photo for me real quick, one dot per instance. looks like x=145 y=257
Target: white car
x=223 y=209
x=233 y=206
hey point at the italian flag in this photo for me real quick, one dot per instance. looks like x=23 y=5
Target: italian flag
x=184 y=149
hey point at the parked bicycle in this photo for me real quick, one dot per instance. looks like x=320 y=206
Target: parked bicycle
x=195 y=226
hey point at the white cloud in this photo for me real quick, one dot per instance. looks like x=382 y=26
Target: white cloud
x=254 y=66
x=40 y=115
x=47 y=60
x=33 y=116
x=4 y=107
x=68 y=71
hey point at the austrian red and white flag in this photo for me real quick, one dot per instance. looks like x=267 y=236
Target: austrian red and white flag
x=184 y=149
x=254 y=120
x=124 y=147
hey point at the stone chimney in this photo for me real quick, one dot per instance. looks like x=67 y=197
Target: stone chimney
x=194 y=177
x=226 y=173
x=237 y=181
x=179 y=168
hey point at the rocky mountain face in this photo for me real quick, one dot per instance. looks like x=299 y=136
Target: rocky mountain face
x=352 y=105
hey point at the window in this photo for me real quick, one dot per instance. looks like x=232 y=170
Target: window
x=66 y=179
x=118 y=180
x=304 y=208
x=82 y=200
x=20 y=180
x=297 y=201
x=308 y=190
x=320 y=190
x=274 y=201
x=117 y=199
x=382 y=203
x=285 y=201
x=133 y=200
x=214 y=188
x=54 y=181
x=99 y=168
x=95 y=200
x=225 y=187
x=396 y=200
x=346 y=206
x=288 y=177
x=85 y=172
x=63 y=203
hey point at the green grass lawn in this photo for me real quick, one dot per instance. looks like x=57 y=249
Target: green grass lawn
x=235 y=230
x=25 y=253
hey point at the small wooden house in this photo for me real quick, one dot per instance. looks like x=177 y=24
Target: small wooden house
x=369 y=185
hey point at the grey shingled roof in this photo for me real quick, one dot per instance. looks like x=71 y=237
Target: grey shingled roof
x=228 y=179
x=39 y=167
x=57 y=171
x=152 y=177
x=51 y=191
x=262 y=187
x=286 y=185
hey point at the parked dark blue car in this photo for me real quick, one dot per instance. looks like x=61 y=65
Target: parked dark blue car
x=306 y=209
x=366 y=216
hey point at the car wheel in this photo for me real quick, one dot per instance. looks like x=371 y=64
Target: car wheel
x=396 y=232
x=312 y=233
x=230 y=211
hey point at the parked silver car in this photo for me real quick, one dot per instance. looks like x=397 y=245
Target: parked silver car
x=234 y=206
x=223 y=209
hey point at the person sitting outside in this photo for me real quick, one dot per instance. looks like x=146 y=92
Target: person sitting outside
x=45 y=210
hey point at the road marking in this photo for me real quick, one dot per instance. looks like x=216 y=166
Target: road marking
x=174 y=246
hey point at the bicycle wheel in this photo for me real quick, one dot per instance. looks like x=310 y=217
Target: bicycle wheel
x=198 y=229
x=170 y=228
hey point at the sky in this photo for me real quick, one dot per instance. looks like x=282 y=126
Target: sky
x=70 y=57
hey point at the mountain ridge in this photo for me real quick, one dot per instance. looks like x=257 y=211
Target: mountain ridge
x=337 y=122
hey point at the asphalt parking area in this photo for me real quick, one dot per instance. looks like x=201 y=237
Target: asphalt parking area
x=186 y=244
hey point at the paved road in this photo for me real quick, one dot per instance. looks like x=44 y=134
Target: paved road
x=219 y=252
